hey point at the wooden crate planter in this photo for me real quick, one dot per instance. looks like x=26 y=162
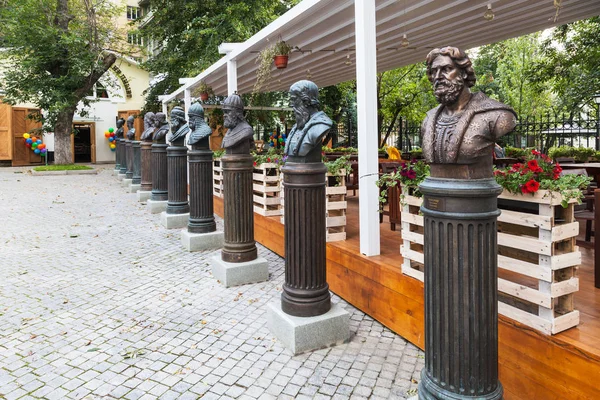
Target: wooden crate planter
x=266 y=182
x=537 y=258
x=217 y=178
x=335 y=206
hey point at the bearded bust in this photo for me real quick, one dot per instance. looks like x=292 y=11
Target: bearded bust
x=120 y=129
x=463 y=129
x=306 y=137
x=179 y=127
x=148 y=127
x=162 y=128
x=200 y=131
x=239 y=138
x=130 y=128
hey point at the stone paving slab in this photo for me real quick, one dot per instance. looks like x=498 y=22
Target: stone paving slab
x=98 y=301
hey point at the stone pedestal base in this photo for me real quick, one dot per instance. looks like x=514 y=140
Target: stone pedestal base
x=126 y=182
x=134 y=187
x=201 y=241
x=235 y=274
x=115 y=172
x=156 y=207
x=120 y=176
x=302 y=334
x=173 y=221
x=143 y=196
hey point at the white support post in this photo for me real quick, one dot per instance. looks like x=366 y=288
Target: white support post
x=187 y=102
x=232 y=80
x=368 y=166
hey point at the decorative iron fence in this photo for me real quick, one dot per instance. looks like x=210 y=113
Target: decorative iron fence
x=542 y=133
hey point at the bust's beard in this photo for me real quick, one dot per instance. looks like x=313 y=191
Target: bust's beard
x=302 y=116
x=232 y=122
x=447 y=93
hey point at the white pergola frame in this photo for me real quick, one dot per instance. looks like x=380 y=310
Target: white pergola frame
x=368 y=32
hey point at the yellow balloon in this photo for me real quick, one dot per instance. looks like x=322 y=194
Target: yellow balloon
x=26 y=135
x=112 y=146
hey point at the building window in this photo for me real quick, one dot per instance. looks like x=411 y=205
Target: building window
x=101 y=92
x=133 y=13
x=134 y=38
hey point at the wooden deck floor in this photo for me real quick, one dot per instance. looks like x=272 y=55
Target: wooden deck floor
x=532 y=365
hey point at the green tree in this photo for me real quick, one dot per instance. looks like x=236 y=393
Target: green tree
x=402 y=92
x=189 y=33
x=505 y=72
x=571 y=64
x=57 y=52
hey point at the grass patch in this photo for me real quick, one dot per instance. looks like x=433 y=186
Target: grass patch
x=65 y=167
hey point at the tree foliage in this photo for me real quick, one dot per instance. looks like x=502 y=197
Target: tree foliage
x=189 y=33
x=571 y=63
x=56 y=50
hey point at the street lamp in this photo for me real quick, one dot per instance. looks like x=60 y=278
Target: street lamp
x=597 y=101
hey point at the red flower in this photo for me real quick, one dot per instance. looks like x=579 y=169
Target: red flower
x=255 y=163
x=535 y=152
x=411 y=174
x=499 y=172
x=533 y=166
x=524 y=189
x=268 y=159
x=516 y=167
x=532 y=186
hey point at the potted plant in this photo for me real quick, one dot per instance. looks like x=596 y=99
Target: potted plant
x=278 y=53
x=281 y=53
x=203 y=91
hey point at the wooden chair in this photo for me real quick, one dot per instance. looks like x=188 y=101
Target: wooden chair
x=565 y=160
x=393 y=197
x=585 y=212
x=260 y=144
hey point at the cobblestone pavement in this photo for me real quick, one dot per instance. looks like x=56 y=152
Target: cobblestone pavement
x=97 y=300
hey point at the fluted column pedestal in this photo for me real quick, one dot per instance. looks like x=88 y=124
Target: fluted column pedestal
x=461 y=304
x=160 y=179
x=122 y=157
x=145 y=190
x=129 y=161
x=136 y=178
x=239 y=262
x=177 y=213
x=201 y=233
x=305 y=305
x=117 y=159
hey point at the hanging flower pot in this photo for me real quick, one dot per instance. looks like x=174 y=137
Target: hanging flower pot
x=281 y=61
x=204 y=96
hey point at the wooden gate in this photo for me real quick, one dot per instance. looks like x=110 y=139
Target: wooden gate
x=138 y=123
x=20 y=124
x=6 y=142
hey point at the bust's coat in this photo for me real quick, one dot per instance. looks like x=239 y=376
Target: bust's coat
x=301 y=141
x=481 y=123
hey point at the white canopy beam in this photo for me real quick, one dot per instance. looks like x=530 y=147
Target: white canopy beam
x=366 y=88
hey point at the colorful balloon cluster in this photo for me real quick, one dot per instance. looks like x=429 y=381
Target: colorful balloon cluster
x=277 y=140
x=112 y=140
x=35 y=144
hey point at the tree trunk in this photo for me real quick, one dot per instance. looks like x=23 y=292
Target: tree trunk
x=62 y=137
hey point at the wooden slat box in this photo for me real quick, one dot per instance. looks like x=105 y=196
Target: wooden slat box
x=266 y=183
x=336 y=206
x=217 y=178
x=537 y=257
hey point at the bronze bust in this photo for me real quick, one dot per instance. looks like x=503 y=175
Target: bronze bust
x=120 y=129
x=131 y=129
x=463 y=129
x=239 y=138
x=148 y=127
x=200 y=131
x=162 y=127
x=179 y=127
x=306 y=137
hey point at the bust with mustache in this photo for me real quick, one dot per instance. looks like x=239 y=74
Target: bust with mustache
x=463 y=129
x=306 y=137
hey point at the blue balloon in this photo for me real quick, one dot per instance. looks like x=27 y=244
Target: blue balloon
x=111 y=139
x=39 y=141
x=29 y=141
x=37 y=151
